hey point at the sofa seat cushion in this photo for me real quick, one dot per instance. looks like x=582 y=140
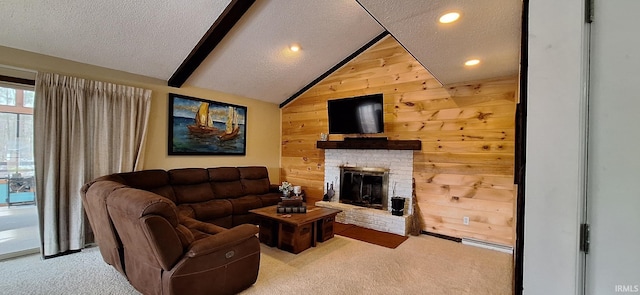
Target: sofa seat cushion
x=250 y=218
x=199 y=229
x=242 y=205
x=205 y=211
x=270 y=199
x=226 y=222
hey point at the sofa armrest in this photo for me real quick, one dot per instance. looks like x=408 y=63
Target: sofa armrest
x=273 y=188
x=222 y=240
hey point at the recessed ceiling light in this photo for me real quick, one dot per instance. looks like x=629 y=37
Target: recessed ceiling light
x=449 y=17
x=295 y=47
x=472 y=62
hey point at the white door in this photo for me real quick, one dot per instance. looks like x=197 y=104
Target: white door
x=613 y=192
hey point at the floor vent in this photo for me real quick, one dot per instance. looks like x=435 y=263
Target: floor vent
x=487 y=245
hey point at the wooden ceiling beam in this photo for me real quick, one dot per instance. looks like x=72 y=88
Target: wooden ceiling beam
x=229 y=17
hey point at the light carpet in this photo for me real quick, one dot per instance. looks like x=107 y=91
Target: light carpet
x=420 y=265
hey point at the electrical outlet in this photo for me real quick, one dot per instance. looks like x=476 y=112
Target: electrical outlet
x=465 y=220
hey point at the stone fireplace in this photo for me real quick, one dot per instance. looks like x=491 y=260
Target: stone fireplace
x=366 y=168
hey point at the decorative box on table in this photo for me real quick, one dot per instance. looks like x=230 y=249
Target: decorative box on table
x=291 y=202
x=292 y=205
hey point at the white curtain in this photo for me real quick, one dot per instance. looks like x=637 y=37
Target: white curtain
x=83 y=129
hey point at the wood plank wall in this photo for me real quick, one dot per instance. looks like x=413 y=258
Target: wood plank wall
x=465 y=167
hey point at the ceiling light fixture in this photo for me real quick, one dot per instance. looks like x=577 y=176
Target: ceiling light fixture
x=472 y=62
x=295 y=47
x=449 y=17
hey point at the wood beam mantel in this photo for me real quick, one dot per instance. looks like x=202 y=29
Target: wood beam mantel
x=371 y=144
x=229 y=17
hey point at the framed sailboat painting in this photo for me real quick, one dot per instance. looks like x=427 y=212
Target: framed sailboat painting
x=204 y=127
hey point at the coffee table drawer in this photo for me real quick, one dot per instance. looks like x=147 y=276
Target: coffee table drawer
x=295 y=239
x=325 y=228
x=268 y=232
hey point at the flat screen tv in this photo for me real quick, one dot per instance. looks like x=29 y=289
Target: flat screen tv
x=356 y=115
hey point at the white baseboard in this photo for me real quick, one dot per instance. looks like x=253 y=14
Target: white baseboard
x=19 y=253
x=487 y=245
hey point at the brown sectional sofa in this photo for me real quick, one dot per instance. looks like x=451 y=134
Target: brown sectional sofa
x=181 y=231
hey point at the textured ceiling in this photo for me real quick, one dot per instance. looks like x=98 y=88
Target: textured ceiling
x=146 y=37
x=254 y=59
x=152 y=38
x=488 y=30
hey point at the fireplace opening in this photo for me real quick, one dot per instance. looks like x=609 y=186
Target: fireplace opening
x=365 y=187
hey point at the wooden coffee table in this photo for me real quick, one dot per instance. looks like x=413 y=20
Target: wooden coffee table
x=295 y=232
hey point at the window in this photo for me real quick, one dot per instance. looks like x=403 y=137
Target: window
x=29 y=99
x=8 y=96
x=16 y=141
x=17 y=181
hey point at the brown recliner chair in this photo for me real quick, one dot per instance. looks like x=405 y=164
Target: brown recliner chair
x=94 y=198
x=165 y=253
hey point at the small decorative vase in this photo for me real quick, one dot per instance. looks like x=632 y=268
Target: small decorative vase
x=286 y=194
x=297 y=190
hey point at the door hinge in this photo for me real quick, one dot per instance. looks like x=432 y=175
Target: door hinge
x=588 y=10
x=584 y=238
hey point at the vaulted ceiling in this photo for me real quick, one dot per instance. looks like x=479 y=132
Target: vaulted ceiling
x=154 y=38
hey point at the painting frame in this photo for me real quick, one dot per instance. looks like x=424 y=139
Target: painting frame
x=198 y=126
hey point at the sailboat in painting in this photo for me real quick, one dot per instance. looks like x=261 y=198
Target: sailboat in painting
x=232 y=129
x=203 y=123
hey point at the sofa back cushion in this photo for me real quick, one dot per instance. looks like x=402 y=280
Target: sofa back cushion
x=225 y=182
x=155 y=181
x=190 y=185
x=254 y=179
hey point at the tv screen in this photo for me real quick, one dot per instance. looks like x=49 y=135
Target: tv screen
x=356 y=115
